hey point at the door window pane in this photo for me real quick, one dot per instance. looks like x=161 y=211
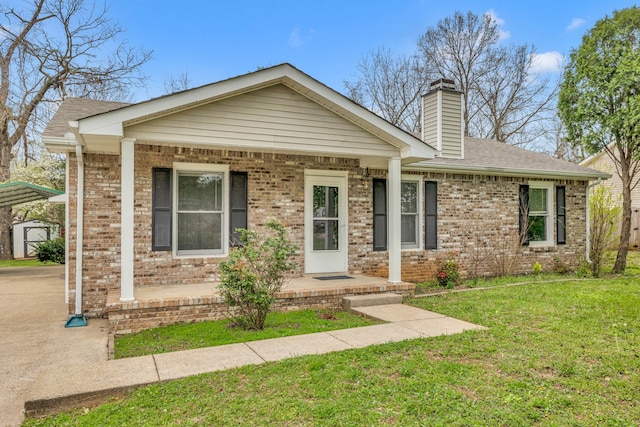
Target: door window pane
x=325 y=235
x=325 y=218
x=325 y=201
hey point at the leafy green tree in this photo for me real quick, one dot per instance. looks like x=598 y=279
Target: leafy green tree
x=604 y=214
x=599 y=103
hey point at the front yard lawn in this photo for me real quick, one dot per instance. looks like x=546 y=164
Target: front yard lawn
x=30 y=262
x=555 y=354
x=206 y=334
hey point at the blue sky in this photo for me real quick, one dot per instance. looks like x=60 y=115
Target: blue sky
x=212 y=40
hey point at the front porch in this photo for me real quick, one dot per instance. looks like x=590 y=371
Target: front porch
x=164 y=305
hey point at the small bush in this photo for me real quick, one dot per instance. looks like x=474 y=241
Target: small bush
x=537 y=268
x=51 y=250
x=254 y=272
x=448 y=271
x=560 y=267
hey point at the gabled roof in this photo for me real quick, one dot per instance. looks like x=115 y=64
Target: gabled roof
x=73 y=109
x=107 y=127
x=498 y=158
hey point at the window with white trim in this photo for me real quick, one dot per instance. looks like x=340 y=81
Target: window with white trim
x=410 y=212
x=201 y=212
x=540 y=214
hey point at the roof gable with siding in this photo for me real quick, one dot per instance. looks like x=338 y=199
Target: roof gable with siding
x=274 y=118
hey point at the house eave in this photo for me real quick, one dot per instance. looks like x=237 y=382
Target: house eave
x=62 y=144
x=516 y=172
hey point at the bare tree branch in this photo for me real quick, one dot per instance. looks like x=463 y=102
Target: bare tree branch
x=49 y=50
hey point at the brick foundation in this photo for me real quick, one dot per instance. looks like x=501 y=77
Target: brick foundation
x=131 y=317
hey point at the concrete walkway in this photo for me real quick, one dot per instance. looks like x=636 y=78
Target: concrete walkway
x=90 y=383
x=33 y=339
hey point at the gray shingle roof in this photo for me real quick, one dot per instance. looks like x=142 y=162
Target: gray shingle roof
x=75 y=109
x=480 y=154
x=485 y=154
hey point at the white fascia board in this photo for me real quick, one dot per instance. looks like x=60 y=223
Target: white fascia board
x=59 y=144
x=506 y=171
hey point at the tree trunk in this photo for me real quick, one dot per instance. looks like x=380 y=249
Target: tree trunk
x=625 y=227
x=6 y=248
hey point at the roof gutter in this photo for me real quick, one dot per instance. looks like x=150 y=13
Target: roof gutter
x=506 y=171
x=78 y=319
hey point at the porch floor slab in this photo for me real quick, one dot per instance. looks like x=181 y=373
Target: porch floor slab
x=305 y=283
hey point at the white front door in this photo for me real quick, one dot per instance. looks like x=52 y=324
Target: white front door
x=325 y=222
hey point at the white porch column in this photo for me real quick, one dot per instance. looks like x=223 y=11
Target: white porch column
x=394 y=237
x=126 y=219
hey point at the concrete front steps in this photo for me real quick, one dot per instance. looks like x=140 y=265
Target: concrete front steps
x=357 y=301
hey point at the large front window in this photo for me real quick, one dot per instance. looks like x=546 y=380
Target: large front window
x=200 y=212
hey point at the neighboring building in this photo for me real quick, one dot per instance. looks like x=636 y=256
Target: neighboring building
x=28 y=234
x=159 y=186
x=602 y=161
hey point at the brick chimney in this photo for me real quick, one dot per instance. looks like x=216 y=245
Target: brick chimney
x=442 y=121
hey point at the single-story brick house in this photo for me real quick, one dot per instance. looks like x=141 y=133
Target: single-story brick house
x=155 y=189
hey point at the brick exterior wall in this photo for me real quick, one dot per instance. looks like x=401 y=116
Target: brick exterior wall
x=477 y=216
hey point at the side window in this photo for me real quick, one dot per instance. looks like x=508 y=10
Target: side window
x=536 y=213
x=410 y=213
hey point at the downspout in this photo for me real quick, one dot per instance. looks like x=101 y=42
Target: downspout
x=79 y=319
x=588 y=245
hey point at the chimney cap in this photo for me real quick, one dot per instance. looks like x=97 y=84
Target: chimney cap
x=443 y=84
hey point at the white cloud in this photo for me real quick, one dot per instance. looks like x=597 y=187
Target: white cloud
x=548 y=62
x=298 y=38
x=575 y=24
x=504 y=34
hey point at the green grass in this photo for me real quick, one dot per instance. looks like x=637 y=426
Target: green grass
x=206 y=334
x=24 y=263
x=555 y=354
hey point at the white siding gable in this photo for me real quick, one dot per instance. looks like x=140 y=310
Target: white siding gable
x=273 y=118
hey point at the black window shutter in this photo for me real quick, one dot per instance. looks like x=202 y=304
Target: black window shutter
x=238 y=205
x=161 y=209
x=523 y=205
x=561 y=217
x=379 y=214
x=430 y=215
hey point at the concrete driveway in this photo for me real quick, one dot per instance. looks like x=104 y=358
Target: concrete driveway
x=33 y=337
